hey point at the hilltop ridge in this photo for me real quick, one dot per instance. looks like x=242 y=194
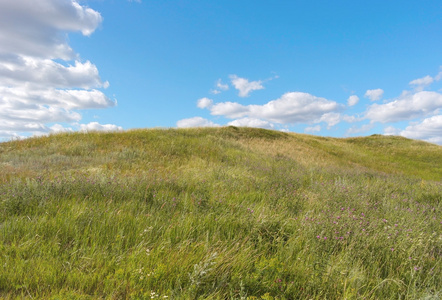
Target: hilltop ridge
x=176 y=148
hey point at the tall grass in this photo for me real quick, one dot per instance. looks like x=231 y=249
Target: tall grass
x=228 y=213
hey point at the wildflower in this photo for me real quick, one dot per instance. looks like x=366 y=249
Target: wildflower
x=392 y=249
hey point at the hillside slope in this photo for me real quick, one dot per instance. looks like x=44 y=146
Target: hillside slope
x=219 y=213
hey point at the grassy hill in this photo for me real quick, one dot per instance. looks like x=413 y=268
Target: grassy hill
x=220 y=213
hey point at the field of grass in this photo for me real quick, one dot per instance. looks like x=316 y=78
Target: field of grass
x=220 y=213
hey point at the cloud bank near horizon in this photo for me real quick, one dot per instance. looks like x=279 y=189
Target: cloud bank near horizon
x=42 y=79
x=422 y=108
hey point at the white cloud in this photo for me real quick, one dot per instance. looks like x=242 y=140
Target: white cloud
x=22 y=116
x=24 y=97
x=244 y=86
x=36 y=29
x=331 y=119
x=195 y=122
x=351 y=119
x=421 y=83
x=45 y=72
x=361 y=129
x=251 y=122
x=10 y=135
x=439 y=75
x=10 y=126
x=95 y=126
x=231 y=110
x=390 y=130
x=352 y=100
x=435 y=140
x=374 y=95
x=220 y=86
x=56 y=128
x=204 y=103
x=42 y=80
x=293 y=107
x=37 y=129
x=406 y=107
x=430 y=129
x=316 y=128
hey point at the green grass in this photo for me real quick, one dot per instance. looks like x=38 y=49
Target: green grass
x=219 y=213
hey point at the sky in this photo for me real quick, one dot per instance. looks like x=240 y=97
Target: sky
x=329 y=68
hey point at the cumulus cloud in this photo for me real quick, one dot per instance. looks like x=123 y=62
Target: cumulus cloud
x=430 y=129
x=195 y=122
x=231 y=110
x=408 y=106
x=421 y=83
x=244 y=86
x=8 y=127
x=95 y=126
x=331 y=119
x=374 y=95
x=439 y=75
x=220 y=86
x=37 y=29
x=42 y=79
x=316 y=128
x=293 y=107
x=390 y=130
x=204 y=103
x=359 y=129
x=251 y=122
x=23 y=114
x=9 y=130
x=45 y=72
x=351 y=119
x=57 y=128
x=352 y=100
x=24 y=97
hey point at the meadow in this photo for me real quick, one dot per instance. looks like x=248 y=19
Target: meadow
x=219 y=213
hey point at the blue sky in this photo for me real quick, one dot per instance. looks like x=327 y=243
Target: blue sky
x=330 y=68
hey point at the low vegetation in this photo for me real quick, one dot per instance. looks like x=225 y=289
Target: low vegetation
x=219 y=213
